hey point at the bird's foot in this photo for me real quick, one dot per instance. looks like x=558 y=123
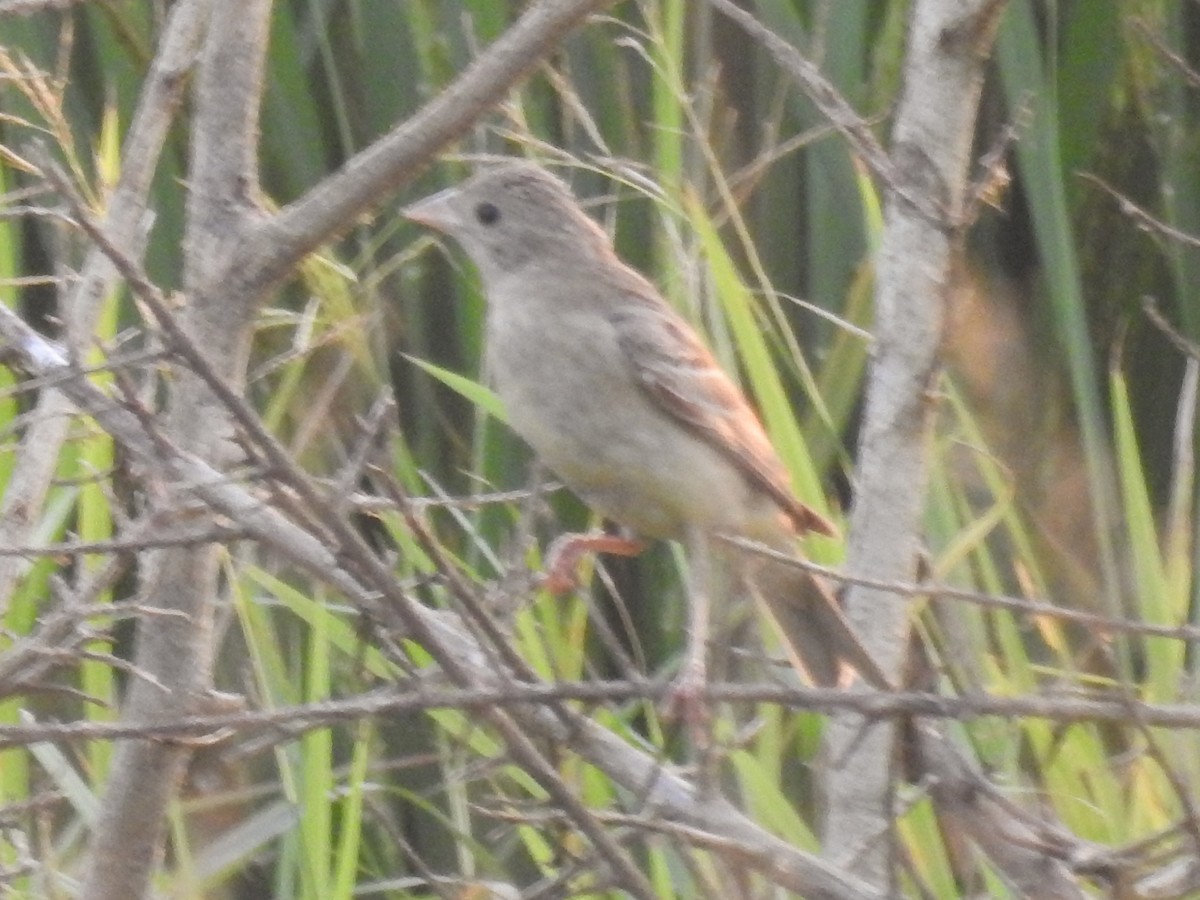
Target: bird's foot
x=559 y=575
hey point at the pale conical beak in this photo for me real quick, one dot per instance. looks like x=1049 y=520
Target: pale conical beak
x=436 y=211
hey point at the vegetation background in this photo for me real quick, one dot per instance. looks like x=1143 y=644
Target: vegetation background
x=1062 y=468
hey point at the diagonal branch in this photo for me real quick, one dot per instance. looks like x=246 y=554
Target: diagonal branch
x=824 y=95
x=279 y=243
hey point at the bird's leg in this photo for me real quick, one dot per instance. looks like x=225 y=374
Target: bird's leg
x=562 y=559
x=686 y=699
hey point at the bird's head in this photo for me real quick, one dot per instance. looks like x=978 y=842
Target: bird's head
x=511 y=215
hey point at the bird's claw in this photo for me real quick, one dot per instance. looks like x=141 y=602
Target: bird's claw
x=559 y=575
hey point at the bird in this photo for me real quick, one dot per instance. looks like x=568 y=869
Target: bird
x=620 y=398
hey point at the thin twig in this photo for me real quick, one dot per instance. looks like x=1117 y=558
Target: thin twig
x=934 y=591
x=404 y=699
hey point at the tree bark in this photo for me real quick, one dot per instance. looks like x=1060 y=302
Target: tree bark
x=949 y=42
x=176 y=651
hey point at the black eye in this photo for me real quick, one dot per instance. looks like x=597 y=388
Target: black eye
x=487 y=213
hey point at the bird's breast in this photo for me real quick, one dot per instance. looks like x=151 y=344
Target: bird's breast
x=572 y=396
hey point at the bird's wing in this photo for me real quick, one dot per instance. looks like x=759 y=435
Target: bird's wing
x=680 y=375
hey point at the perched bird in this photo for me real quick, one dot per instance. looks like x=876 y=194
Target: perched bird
x=620 y=398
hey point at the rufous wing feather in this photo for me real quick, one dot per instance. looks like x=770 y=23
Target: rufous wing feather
x=681 y=376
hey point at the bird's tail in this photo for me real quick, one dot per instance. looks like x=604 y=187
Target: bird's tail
x=816 y=635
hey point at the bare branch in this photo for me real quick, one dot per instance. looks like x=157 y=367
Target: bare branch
x=969 y=803
x=901 y=591
x=842 y=116
x=1190 y=76
x=405 y=698
x=223 y=168
x=948 y=43
x=329 y=208
x=1142 y=217
x=175 y=654
x=1187 y=347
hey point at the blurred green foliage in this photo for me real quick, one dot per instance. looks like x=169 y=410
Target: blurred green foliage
x=1057 y=457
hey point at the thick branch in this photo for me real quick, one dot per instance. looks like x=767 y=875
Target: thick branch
x=279 y=243
x=176 y=651
x=949 y=41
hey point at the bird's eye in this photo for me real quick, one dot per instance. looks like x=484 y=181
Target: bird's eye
x=487 y=213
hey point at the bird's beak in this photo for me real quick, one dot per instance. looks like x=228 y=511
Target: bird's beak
x=436 y=212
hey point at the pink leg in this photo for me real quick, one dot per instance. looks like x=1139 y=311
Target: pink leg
x=562 y=559
x=686 y=697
